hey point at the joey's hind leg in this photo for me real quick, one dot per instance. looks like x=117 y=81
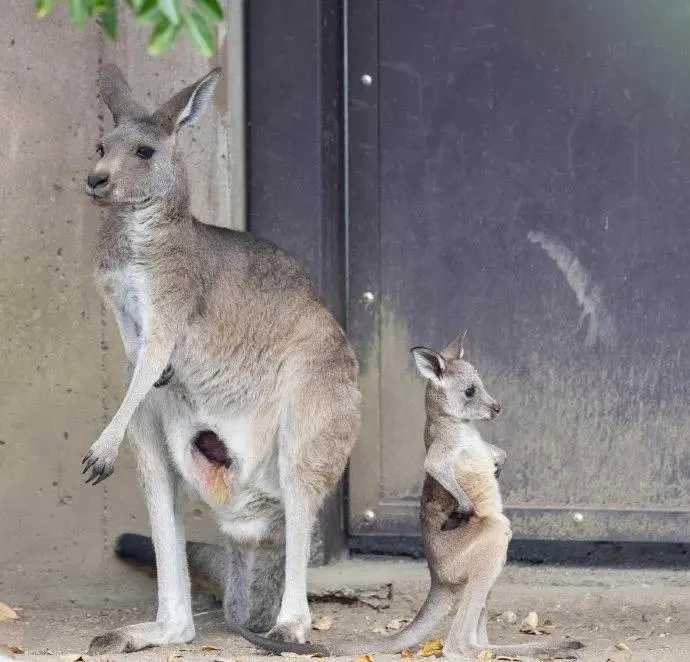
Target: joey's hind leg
x=463 y=637
x=254 y=585
x=174 y=623
x=482 y=634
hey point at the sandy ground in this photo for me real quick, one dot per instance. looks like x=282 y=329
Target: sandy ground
x=647 y=610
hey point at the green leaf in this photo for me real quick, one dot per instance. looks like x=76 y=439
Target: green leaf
x=169 y=10
x=148 y=11
x=108 y=20
x=78 y=11
x=211 y=9
x=200 y=32
x=44 y=7
x=162 y=36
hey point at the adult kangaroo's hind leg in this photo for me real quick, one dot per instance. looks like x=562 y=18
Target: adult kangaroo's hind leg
x=318 y=429
x=174 y=623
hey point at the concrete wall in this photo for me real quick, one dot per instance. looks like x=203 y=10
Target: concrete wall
x=61 y=374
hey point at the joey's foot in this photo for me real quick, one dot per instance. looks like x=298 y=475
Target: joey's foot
x=294 y=630
x=142 y=635
x=100 y=460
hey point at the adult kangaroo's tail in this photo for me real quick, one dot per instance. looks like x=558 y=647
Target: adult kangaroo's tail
x=207 y=563
x=437 y=604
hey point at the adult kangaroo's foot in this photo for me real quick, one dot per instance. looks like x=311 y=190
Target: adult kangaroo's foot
x=133 y=638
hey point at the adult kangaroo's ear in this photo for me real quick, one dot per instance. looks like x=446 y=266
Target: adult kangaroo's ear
x=117 y=95
x=429 y=363
x=186 y=106
x=456 y=349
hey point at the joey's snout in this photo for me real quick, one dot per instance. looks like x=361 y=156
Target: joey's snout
x=495 y=409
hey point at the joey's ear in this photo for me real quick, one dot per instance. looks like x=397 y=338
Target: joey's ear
x=186 y=106
x=117 y=95
x=429 y=363
x=456 y=350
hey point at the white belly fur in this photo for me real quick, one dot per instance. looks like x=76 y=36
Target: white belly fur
x=254 y=458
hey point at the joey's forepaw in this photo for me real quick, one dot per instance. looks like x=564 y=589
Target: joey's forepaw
x=100 y=461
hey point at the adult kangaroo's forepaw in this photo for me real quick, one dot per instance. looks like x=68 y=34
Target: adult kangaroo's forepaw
x=100 y=460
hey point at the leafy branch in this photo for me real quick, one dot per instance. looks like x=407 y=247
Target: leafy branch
x=167 y=19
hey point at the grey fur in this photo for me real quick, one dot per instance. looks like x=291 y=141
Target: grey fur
x=256 y=359
x=464 y=559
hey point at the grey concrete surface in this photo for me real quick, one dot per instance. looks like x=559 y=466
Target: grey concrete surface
x=647 y=610
x=62 y=365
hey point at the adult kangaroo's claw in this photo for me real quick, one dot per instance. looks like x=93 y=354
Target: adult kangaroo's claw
x=100 y=461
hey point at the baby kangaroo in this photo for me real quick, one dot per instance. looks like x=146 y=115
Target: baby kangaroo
x=465 y=532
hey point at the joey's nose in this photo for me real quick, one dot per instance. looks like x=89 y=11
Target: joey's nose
x=496 y=408
x=99 y=179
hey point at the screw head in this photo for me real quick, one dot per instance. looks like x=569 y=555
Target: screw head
x=369 y=516
x=368 y=297
x=578 y=517
x=366 y=79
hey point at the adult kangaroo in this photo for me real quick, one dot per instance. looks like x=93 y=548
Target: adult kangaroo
x=243 y=388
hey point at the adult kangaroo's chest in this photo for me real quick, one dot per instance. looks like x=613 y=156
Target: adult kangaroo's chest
x=126 y=291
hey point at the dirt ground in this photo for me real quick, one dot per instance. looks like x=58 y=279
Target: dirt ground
x=645 y=611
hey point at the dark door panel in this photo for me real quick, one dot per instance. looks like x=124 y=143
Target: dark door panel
x=523 y=169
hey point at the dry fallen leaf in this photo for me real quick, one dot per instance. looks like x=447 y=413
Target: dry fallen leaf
x=622 y=646
x=531 y=621
x=507 y=658
x=509 y=617
x=323 y=624
x=405 y=652
x=7 y=613
x=531 y=625
x=364 y=658
x=12 y=648
x=208 y=648
x=485 y=656
x=432 y=647
x=396 y=623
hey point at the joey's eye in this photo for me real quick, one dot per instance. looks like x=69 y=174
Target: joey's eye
x=99 y=150
x=469 y=391
x=145 y=152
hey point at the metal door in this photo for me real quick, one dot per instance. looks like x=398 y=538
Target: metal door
x=523 y=169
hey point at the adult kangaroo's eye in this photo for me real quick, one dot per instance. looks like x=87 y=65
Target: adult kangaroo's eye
x=99 y=150
x=145 y=152
x=469 y=391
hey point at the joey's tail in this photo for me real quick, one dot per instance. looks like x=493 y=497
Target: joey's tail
x=437 y=604
x=545 y=648
x=207 y=563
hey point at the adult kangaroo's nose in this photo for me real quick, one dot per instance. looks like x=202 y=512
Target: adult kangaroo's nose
x=96 y=180
x=496 y=408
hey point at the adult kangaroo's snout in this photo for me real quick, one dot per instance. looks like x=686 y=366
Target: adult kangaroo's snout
x=495 y=408
x=97 y=180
